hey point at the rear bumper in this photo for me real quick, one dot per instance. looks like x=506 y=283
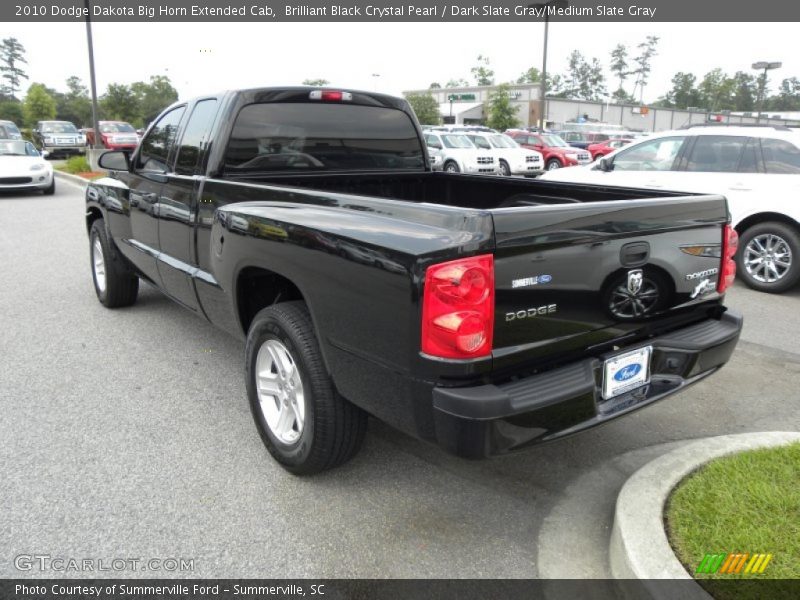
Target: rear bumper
x=480 y=421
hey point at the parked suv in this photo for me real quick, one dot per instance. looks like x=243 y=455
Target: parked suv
x=512 y=158
x=756 y=168
x=59 y=138
x=459 y=154
x=556 y=152
x=115 y=135
x=9 y=131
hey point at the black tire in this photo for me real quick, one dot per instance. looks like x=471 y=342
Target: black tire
x=788 y=236
x=121 y=284
x=51 y=189
x=333 y=428
x=655 y=295
x=553 y=164
x=451 y=166
x=505 y=170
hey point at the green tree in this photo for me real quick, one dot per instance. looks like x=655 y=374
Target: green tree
x=502 y=114
x=11 y=110
x=453 y=83
x=120 y=103
x=532 y=75
x=684 y=92
x=435 y=86
x=75 y=105
x=619 y=67
x=744 y=91
x=12 y=54
x=38 y=105
x=426 y=108
x=585 y=80
x=482 y=73
x=316 y=82
x=647 y=50
x=788 y=96
x=152 y=97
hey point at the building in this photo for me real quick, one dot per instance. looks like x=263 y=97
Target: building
x=467 y=105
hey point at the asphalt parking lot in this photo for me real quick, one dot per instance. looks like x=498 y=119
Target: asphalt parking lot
x=126 y=434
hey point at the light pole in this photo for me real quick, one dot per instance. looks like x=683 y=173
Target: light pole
x=92 y=79
x=767 y=66
x=554 y=4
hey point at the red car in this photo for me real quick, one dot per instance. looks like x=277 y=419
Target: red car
x=555 y=151
x=607 y=147
x=115 y=135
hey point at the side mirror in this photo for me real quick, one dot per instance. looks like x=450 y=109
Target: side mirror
x=605 y=165
x=114 y=161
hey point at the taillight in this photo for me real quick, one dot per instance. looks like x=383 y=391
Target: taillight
x=458 y=308
x=727 y=271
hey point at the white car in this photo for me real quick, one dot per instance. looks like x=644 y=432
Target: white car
x=459 y=155
x=512 y=158
x=437 y=159
x=756 y=168
x=23 y=168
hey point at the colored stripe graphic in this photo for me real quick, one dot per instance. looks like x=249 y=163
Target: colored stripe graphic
x=734 y=563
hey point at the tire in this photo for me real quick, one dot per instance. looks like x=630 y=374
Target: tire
x=451 y=167
x=553 y=164
x=777 y=240
x=654 y=295
x=322 y=430
x=598 y=156
x=114 y=282
x=51 y=189
x=505 y=170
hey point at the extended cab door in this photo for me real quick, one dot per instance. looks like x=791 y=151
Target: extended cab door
x=177 y=206
x=148 y=175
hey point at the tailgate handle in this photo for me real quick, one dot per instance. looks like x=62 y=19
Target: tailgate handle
x=634 y=254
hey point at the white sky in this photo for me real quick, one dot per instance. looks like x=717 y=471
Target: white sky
x=206 y=57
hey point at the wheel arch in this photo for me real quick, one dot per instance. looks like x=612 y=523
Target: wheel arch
x=764 y=217
x=257 y=287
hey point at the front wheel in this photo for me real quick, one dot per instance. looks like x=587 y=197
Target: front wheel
x=553 y=164
x=451 y=167
x=768 y=258
x=505 y=170
x=304 y=423
x=50 y=189
x=114 y=283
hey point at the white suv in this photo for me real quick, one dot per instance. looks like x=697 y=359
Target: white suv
x=756 y=168
x=512 y=158
x=459 y=155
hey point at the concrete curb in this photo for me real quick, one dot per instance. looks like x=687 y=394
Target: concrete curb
x=639 y=548
x=70 y=177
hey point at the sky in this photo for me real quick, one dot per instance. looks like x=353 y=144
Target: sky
x=387 y=57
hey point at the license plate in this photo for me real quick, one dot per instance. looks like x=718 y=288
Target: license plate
x=625 y=372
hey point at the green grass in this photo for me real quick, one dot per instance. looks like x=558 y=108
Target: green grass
x=748 y=502
x=76 y=164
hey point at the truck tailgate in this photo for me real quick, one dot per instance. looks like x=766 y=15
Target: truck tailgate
x=581 y=277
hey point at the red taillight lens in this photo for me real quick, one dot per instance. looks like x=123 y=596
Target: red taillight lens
x=727 y=271
x=458 y=308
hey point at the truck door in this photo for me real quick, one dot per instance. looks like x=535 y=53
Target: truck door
x=177 y=212
x=146 y=181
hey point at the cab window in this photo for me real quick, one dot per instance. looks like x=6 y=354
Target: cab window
x=160 y=140
x=653 y=155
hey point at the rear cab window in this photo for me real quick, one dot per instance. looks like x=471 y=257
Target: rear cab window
x=304 y=136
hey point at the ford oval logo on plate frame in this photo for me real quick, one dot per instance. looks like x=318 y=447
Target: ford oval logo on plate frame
x=626 y=372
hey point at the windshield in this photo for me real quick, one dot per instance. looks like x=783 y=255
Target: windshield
x=287 y=136
x=456 y=141
x=10 y=127
x=58 y=127
x=17 y=148
x=116 y=127
x=480 y=142
x=554 y=141
x=503 y=141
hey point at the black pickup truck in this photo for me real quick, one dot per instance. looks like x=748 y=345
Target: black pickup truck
x=481 y=313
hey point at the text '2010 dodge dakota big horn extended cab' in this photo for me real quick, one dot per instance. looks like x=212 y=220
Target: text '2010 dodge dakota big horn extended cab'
x=481 y=313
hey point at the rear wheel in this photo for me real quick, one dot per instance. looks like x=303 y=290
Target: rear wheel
x=553 y=164
x=114 y=282
x=451 y=167
x=505 y=170
x=304 y=423
x=768 y=258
